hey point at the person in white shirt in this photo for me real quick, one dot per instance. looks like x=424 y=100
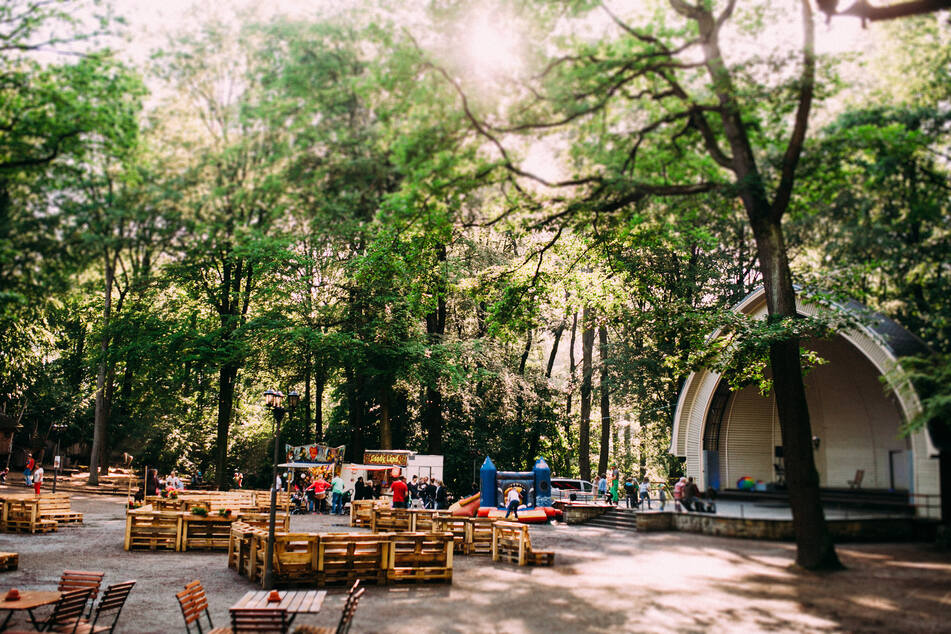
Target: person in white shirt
x=512 y=500
x=645 y=492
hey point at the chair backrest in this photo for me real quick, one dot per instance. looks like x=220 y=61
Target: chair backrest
x=259 y=620
x=111 y=603
x=69 y=610
x=194 y=603
x=349 y=609
x=77 y=579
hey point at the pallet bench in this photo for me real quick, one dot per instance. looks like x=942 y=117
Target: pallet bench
x=342 y=558
x=152 y=530
x=420 y=557
x=21 y=514
x=9 y=561
x=478 y=539
x=513 y=542
x=148 y=529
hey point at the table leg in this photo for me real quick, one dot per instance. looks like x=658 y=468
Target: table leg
x=7 y=620
x=36 y=626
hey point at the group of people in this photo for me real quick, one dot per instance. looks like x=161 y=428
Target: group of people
x=430 y=492
x=687 y=494
x=311 y=493
x=636 y=494
x=33 y=473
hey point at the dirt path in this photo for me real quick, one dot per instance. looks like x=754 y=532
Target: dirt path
x=602 y=581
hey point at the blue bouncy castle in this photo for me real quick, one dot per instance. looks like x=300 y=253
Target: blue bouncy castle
x=534 y=488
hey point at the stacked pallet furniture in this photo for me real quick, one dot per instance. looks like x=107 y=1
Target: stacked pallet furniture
x=454 y=525
x=339 y=559
x=512 y=542
x=420 y=557
x=149 y=529
x=21 y=514
x=9 y=561
x=478 y=540
x=146 y=529
x=56 y=506
x=386 y=520
x=361 y=512
x=342 y=558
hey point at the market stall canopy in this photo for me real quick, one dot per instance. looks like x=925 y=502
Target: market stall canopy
x=368 y=467
x=303 y=465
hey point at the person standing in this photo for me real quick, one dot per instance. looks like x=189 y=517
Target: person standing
x=662 y=496
x=440 y=496
x=28 y=470
x=630 y=491
x=336 y=495
x=413 y=487
x=37 y=478
x=602 y=487
x=614 y=491
x=512 y=500
x=645 y=490
x=400 y=492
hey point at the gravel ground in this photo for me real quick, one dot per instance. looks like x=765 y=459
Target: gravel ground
x=602 y=581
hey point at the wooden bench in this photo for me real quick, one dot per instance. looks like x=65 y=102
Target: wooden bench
x=454 y=525
x=478 y=540
x=295 y=559
x=152 y=530
x=9 y=561
x=387 y=520
x=420 y=557
x=57 y=507
x=212 y=532
x=512 y=542
x=342 y=558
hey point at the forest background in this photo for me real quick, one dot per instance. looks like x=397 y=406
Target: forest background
x=390 y=209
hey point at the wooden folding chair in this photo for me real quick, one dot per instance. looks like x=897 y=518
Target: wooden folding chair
x=857 y=482
x=193 y=602
x=259 y=620
x=110 y=606
x=346 y=617
x=77 y=579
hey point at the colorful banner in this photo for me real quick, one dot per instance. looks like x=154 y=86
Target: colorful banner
x=314 y=453
x=385 y=458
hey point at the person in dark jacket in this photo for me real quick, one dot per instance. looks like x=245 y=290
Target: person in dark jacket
x=359 y=489
x=440 y=495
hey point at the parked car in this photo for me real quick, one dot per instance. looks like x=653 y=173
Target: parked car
x=565 y=488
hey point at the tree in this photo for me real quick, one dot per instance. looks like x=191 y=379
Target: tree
x=660 y=112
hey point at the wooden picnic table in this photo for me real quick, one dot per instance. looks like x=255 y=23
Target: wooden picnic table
x=29 y=600
x=293 y=601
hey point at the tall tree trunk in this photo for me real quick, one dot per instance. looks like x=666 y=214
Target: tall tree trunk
x=605 y=389
x=319 y=384
x=814 y=547
x=355 y=406
x=227 y=375
x=520 y=398
x=308 y=412
x=536 y=437
x=572 y=366
x=584 y=440
x=102 y=407
x=386 y=430
x=109 y=401
x=435 y=329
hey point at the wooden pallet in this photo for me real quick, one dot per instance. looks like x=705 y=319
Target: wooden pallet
x=152 y=530
x=513 y=542
x=454 y=525
x=420 y=557
x=9 y=561
x=295 y=559
x=478 y=536
x=30 y=526
x=57 y=507
x=342 y=558
x=205 y=533
x=361 y=512
x=386 y=520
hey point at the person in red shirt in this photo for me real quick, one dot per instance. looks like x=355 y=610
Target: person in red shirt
x=317 y=493
x=400 y=491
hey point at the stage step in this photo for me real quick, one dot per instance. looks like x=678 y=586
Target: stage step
x=617 y=519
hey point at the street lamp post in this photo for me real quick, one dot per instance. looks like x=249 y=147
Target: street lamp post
x=58 y=428
x=273 y=400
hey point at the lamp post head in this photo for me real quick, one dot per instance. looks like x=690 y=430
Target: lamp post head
x=293 y=398
x=273 y=398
